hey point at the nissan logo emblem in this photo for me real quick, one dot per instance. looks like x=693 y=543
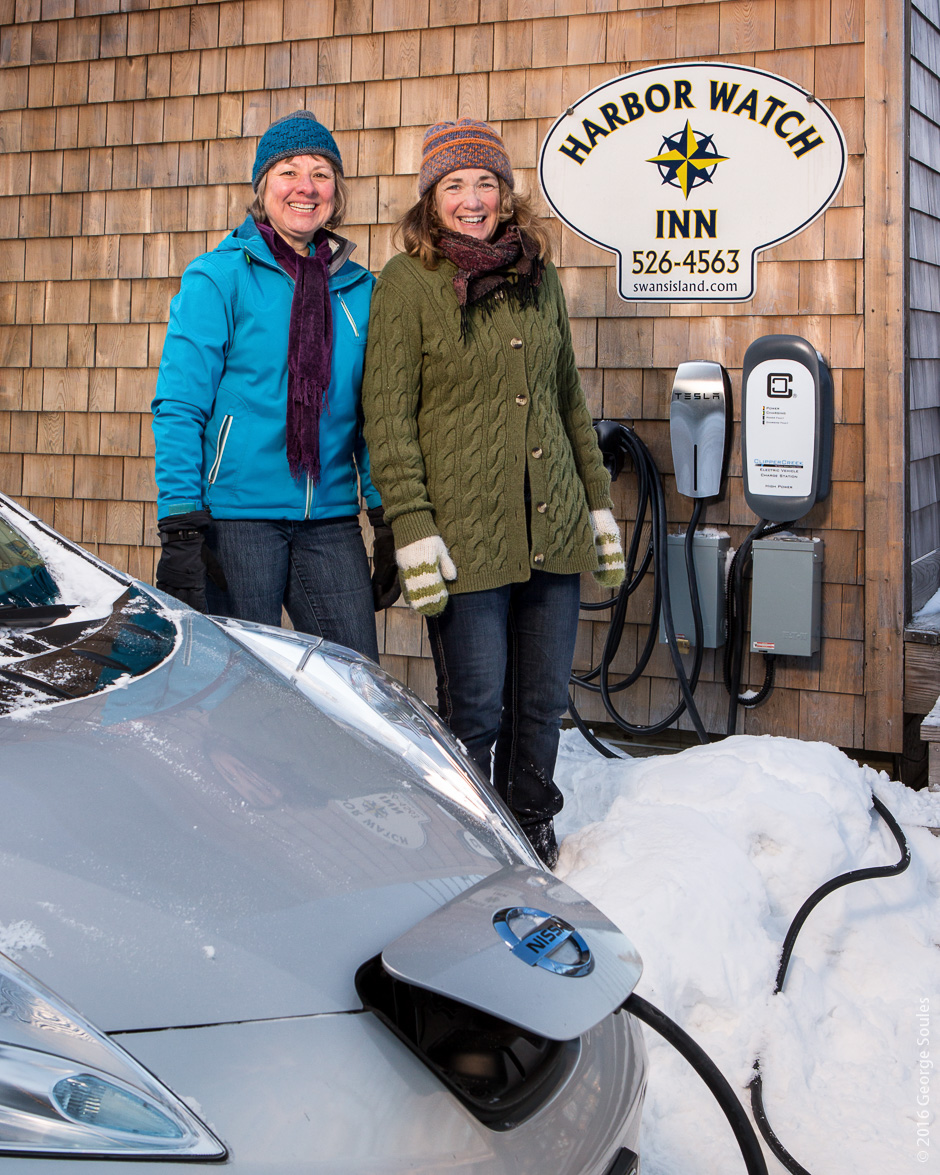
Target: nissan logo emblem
x=539 y=944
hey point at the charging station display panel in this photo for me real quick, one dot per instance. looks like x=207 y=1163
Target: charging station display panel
x=780 y=419
x=686 y=172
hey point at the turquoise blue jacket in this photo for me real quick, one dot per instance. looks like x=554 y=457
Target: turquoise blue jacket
x=220 y=408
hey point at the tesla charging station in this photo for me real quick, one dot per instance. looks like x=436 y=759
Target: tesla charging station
x=699 y=431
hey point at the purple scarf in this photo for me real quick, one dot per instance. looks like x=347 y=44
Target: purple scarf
x=309 y=348
x=482 y=267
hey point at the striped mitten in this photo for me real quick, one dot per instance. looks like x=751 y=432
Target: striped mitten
x=425 y=565
x=610 y=567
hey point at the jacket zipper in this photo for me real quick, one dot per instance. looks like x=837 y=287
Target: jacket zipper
x=219 y=448
x=348 y=315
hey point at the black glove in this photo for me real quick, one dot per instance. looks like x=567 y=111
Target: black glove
x=612 y=444
x=385 y=586
x=181 y=571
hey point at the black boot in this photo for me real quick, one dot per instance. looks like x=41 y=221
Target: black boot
x=541 y=836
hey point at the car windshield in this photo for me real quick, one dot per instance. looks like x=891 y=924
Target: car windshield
x=24 y=579
x=68 y=628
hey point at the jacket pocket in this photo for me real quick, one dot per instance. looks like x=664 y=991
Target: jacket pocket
x=220 y=444
x=359 y=334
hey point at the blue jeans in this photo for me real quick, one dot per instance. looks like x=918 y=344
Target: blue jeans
x=318 y=570
x=503 y=658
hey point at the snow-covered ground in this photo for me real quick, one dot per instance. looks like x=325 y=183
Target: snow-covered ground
x=703 y=858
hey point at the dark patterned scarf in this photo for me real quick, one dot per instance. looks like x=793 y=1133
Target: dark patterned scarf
x=482 y=268
x=309 y=348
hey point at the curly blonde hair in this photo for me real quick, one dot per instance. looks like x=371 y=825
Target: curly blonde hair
x=419 y=229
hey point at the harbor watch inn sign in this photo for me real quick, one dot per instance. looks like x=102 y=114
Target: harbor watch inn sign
x=687 y=172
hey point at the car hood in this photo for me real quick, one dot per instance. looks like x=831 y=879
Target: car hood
x=204 y=844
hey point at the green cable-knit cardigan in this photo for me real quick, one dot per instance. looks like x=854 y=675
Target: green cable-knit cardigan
x=452 y=425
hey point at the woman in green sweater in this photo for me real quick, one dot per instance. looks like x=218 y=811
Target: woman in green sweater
x=484 y=452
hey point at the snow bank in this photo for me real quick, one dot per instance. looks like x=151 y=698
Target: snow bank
x=703 y=858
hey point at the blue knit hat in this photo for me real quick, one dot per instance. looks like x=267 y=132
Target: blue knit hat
x=294 y=134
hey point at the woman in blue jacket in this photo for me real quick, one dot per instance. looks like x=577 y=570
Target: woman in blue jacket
x=257 y=418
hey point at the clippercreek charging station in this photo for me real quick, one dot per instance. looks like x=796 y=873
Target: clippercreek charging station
x=786 y=439
x=786 y=450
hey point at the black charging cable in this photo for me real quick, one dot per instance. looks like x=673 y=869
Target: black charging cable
x=619 y=442
x=756 y=1087
x=736 y=615
x=709 y=1072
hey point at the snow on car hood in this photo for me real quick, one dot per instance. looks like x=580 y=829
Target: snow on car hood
x=204 y=845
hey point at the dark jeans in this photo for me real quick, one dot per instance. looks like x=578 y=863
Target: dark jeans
x=318 y=570
x=503 y=658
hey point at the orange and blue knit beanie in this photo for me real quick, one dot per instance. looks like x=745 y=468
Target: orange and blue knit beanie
x=449 y=146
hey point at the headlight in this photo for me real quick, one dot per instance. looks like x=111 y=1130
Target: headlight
x=66 y=1089
x=360 y=695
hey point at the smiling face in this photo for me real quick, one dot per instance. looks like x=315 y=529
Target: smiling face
x=467 y=202
x=299 y=197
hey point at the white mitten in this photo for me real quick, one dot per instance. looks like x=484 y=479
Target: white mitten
x=610 y=567
x=425 y=565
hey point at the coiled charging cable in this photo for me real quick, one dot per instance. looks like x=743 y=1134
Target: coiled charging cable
x=617 y=442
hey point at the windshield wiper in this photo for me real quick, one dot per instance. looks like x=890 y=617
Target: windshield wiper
x=35 y=617
x=36 y=683
x=101 y=659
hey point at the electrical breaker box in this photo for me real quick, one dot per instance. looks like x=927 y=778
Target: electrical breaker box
x=709 y=555
x=786 y=593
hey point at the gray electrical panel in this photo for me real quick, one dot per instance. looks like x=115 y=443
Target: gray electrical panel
x=709 y=556
x=786 y=595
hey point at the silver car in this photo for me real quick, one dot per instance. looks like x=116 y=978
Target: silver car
x=258 y=910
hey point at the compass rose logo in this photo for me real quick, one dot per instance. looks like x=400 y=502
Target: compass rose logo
x=687 y=159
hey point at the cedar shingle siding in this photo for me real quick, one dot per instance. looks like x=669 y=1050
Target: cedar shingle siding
x=127 y=131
